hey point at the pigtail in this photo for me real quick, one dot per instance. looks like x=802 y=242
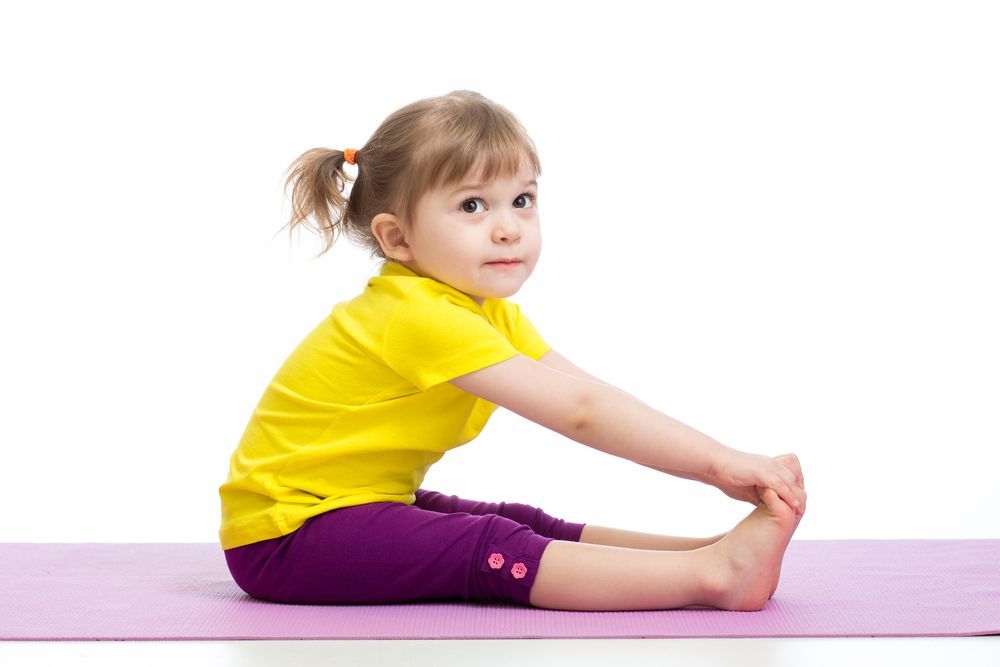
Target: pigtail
x=318 y=203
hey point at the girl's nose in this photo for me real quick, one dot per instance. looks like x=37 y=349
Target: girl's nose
x=507 y=227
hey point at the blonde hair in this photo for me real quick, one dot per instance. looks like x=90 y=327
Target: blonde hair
x=431 y=143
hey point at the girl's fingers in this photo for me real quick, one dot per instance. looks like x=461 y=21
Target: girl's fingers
x=788 y=494
x=791 y=462
x=799 y=497
x=790 y=485
x=788 y=478
x=792 y=498
x=799 y=489
x=798 y=475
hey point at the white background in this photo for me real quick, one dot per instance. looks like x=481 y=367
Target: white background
x=774 y=221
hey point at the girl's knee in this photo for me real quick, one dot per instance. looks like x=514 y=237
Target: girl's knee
x=507 y=562
x=529 y=515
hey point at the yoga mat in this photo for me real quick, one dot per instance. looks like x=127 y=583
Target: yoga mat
x=828 y=588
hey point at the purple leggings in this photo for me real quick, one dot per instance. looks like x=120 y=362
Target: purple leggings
x=441 y=547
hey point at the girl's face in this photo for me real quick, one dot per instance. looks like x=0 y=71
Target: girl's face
x=461 y=231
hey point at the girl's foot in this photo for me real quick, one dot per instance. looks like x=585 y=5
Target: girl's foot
x=777 y=574
x=748 y=559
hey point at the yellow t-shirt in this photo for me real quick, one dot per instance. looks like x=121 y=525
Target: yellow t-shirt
x=361 y=409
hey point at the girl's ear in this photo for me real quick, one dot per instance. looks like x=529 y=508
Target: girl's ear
x=388 y=230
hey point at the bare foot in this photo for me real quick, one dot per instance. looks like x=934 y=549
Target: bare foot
x=749 y=556
x=777 y=574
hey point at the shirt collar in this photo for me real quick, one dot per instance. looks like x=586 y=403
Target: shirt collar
x=393 y=268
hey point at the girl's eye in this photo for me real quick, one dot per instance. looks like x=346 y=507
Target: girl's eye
x=531 y=195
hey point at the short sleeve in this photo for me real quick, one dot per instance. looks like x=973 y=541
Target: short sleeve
x=436 y=335
x=525 y=337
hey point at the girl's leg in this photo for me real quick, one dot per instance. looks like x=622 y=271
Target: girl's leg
x=550 y=526
x=534 y=517
x=735 y=573
x=593 y=534
x=389 y=552
x=615 y=537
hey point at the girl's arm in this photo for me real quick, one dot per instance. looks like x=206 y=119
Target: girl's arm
x=619 y=423
x=677 y=473
x=594 y=414
x=555 y=360
x=746 y=492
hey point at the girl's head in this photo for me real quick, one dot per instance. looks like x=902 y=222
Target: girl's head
x=411 y=203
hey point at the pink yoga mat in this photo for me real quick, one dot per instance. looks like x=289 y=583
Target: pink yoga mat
x=829 y=588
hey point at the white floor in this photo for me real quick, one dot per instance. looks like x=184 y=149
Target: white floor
x=814 y=652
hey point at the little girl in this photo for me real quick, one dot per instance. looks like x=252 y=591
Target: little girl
x=322 y=503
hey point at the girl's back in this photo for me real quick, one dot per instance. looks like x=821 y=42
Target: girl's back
x=361 y=408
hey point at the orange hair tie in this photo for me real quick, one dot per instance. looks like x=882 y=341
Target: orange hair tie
x=349 y=155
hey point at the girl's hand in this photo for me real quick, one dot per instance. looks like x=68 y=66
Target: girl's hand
x=743 y=476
